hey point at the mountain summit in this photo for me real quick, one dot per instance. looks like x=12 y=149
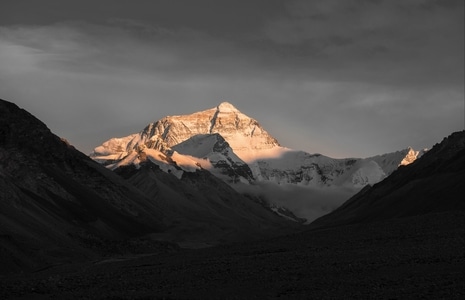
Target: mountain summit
x=244 y=135
x=226 y=107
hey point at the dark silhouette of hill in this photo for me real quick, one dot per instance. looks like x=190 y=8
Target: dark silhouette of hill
x=53 y=197
x=57 y=205
x=433 y=183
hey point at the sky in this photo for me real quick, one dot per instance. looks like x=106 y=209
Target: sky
x=347 y=78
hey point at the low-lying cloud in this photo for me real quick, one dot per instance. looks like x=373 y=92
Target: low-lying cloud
x=304 y=201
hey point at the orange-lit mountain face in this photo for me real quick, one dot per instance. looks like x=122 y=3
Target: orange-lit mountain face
x=235 y=147
x=243 y=134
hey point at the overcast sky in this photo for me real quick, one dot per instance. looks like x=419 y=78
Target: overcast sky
x=342 y=78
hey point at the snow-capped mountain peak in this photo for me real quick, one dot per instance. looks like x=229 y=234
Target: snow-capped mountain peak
x=411 y=156
x=227 y=142
x=244 y=134
x=235 y=148
x=226 y=107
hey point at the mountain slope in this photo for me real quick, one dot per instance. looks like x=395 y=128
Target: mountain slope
x=50 y=192
x=201 y=209
x=433 y=183
x=212 y=152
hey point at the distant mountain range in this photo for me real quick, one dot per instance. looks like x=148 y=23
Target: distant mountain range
x=236 y=149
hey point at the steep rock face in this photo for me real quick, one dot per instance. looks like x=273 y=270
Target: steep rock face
x=212 y=149
x=184 y=134
x=244 y=134
x=411 y=156
x=433 y=183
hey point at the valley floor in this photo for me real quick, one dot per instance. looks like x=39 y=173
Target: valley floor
x=419 y=257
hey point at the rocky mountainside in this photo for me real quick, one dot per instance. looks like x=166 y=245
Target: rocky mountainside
x=244 y=134
x=218 y=139
x=431 y=184
x=203 y=210
x=55 y=202
x=53 y=196
x=248 y=152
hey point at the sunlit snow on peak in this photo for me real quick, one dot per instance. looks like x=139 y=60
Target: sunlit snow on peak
x=226 y=107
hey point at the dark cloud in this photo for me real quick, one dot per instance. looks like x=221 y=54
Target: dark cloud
x=342 y=78
x=382 y=41
x=220 y=17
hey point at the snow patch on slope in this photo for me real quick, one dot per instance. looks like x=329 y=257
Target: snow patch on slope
x=369 y=173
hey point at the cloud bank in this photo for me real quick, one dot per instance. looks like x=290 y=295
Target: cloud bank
x=304 y=201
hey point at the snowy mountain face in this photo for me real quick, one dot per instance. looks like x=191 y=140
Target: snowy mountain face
x=235 y=147
x=217 y=139
x=212 y=152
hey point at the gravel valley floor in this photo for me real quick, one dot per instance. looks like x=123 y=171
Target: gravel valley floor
x=418 y=257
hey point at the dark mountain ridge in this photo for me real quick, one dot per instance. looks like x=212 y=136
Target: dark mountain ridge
x=433 y=183
x=51 y=192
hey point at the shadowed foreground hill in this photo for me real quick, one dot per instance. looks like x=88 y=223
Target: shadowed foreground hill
x=201 y=210
x=52 y=196
x=57 y=205
x=433 y=183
